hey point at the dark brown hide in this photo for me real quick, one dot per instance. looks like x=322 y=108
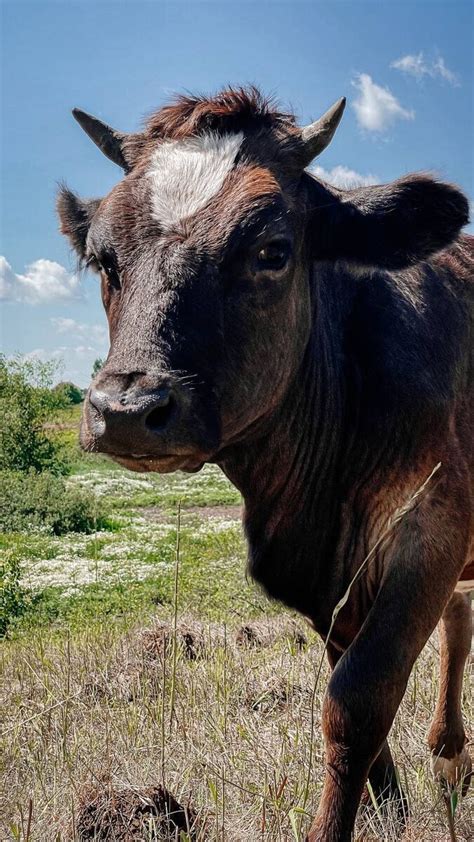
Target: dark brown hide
x=317 y=344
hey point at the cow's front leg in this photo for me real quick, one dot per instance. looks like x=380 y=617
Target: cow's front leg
x=382 y=775
x=370 y=679
x=451 y=762
x=358 y=712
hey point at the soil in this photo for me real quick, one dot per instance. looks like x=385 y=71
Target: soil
x=157 y=515
x=126 y=815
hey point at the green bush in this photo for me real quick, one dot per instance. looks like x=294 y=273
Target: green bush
x=96 y=367
x=27 y=406
x=32 y=502
x=69 y=393
x=12 y=595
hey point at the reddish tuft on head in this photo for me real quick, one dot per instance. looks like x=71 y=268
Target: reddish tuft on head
x=231 y=110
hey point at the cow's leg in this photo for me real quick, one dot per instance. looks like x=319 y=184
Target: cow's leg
x=369 y=681
x=450 y=759
x=382 y=775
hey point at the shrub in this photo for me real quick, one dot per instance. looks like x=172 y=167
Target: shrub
x=44 y=502
x=69 y=393
x=27 y=404
x=96 y=367
x=12 y=595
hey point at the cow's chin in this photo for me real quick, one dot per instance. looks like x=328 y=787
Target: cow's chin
x=160 y=464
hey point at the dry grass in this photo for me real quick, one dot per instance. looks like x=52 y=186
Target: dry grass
x=95 y=724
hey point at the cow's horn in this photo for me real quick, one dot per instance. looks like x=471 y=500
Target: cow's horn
x=107 y=139
x=318 y=135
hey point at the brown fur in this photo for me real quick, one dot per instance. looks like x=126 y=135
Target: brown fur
x=234 y=109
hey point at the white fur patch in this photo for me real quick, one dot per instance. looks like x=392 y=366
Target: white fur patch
x=186 y=174
x=465 y=586
x=453 y=770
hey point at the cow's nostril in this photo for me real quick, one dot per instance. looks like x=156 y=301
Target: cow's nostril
x=96 y=404
x=159 y=417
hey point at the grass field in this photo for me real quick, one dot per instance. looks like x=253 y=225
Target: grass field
x=146 y=658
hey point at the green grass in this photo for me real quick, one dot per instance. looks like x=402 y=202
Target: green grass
x=127 y=491
x=75 y=569
x=75 y=579
x=74 y=575
x=94 y=604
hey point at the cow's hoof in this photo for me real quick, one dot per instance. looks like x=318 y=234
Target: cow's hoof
x=454 y=771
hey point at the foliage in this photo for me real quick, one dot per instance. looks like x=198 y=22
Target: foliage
x=27 y=405
x=96 y=366
x=13 y=596
x=33 y=502
x=69 y=393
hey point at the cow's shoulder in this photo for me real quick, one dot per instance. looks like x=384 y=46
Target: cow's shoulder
x=409 y=333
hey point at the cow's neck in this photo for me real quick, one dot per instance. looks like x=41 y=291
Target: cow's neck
x=290 y=479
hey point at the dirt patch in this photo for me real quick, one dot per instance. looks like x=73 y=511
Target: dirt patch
x=199 y=640
x=131 y=815
x=263 y=633
x=207 y=512
x=140 y=666
x=158 y=641
x=157 y=515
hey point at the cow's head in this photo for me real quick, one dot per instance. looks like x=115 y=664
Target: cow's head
x=206 y=251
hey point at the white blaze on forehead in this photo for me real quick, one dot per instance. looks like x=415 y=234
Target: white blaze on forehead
x=186 y=174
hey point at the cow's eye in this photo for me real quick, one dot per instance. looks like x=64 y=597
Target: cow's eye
x=112 y=276
x=107 y=266
x=273 y=256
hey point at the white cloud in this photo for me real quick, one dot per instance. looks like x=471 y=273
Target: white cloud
x=419 y=67
x=72 y=362
x=85 y=351
x=44 y=355
x=63 y=325
x=43 y=280
x=62 y=353
x=376 y=107
x=91 y=333
x=7 y=280
x=411 y=64
x=341 y=176
x=439 y=68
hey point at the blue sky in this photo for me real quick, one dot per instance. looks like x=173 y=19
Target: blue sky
x=406 y=68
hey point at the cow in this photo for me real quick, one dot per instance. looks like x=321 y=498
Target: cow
x=317 y=345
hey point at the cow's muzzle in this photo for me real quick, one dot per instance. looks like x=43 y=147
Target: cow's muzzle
x=148 y=422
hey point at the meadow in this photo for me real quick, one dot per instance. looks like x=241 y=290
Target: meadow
x=142 y=657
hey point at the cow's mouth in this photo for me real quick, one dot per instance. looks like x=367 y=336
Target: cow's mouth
x=165 y=464
x=122 y=432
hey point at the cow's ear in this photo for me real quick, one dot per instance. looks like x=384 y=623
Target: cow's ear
x=390 y=225
x=75 y=217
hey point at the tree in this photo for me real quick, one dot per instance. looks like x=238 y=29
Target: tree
x=70 y=393
x=96 y=366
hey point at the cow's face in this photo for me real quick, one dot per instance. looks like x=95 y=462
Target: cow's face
x=200 y=254
x=208 y=311
x=204 y=253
